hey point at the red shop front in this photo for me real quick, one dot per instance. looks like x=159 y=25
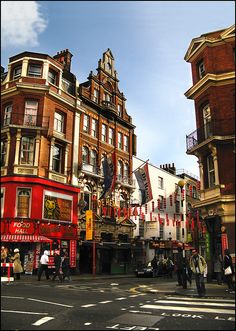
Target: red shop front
x=33 y=237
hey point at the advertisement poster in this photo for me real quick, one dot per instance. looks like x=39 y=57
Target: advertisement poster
x=57 y=206
x=29 y=263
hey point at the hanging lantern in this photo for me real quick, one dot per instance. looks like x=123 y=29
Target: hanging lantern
x=146 y=208
x=171 y=200
x=167 y=220
x=150 y=216
x=183 y=193
x=140 y=210
x=153 y=206
x=198 y=185
x=191 y=191
x=158 y=204
x=164 y=202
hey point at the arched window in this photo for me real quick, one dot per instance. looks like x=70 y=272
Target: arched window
x=85 y=155
x=206 y=114
x=126 y=172
x=23 y=202
x=101 y=167
x=93 y=159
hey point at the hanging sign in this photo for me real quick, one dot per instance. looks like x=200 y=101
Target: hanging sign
x=89 y=224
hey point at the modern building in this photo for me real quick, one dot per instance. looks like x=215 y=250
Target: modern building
x=212 y=59
x=106 y=131
x=165 y=221
x=40 y=117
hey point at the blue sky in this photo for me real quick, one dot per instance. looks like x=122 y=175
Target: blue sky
x=148 y=40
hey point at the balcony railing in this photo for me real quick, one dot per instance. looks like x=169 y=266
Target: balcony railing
x=26 y=120
x=211 y=129
x=109 y=105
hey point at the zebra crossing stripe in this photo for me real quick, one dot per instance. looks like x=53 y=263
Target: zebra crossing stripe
x=197 y=303
x=193 y=309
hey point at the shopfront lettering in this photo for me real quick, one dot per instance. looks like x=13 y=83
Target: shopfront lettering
x=57 y=231
x=21 y=228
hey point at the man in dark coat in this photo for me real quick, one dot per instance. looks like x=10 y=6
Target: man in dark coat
x=57 y=262
x=181 y=265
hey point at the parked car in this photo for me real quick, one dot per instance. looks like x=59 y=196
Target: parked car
x=144 y=270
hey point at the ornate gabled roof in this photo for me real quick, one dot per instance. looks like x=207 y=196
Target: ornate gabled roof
x=210 y=38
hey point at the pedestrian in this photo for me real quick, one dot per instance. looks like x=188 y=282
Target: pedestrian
x=44 y=266
x=170 y=267
x=154 y=264
x=181 y=265
x=218 y=267
x=58 y=266
x=198 y=266
x=3 y=259
x=65 y=267
x=17 y=267
x=228 y=264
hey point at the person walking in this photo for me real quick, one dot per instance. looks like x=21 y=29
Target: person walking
x=58 y=266
x=181 y=268
x=17 y=267
x=44 y=266
x=154 y=264
x=228 y=263
x=170 y=267
x=218 y=267
x=198 y=266
x=3 y=260
x=65 y=267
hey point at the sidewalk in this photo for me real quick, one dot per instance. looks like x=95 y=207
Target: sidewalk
x=161 y=285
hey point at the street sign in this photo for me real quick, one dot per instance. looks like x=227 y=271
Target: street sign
x=89 y=224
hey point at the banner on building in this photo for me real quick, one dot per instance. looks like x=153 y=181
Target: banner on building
x=109 y=172
x=89 y=225
x=143 y=179
x=57 y=206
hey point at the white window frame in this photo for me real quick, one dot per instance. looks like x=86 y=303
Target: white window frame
x=119 y=169
x=104 y=133
x=95 y=95
x=85 y=156
x=57 y=160
x=94 y=126
x=126 y=143
x=59 y=120
x=120 y=138
x=161 y=199
x=7 y=115
x=17 y=71
x=86 y=123
x=201 y=69
x=27 y=150
x=160 y=183
x=210 y=171
x=93 y=158
x=3 y=152
x=52 y=76
x=22 y=189
x=31 y=110
x=119 y=110
x=34 y=73
x=111 y=136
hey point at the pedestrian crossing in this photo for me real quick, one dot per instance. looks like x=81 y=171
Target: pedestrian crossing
x=216 y=306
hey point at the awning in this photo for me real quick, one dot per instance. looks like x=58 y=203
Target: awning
x=24 y=238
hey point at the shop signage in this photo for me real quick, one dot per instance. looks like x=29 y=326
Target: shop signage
x=224 y=242
x=72 y=253
x=89 y=225
x=21 y=227
x=58 y=231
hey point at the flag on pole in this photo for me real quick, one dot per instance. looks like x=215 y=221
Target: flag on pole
x=143 y=179
x=109 y=171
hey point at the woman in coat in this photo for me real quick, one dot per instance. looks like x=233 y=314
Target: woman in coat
x=17 y=268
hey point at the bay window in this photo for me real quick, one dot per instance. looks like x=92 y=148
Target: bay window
x=27 y=150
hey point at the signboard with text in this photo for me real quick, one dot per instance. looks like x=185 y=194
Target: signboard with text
x=58 y=231
x=21 y=227
x=57 y=206
x=89 y=225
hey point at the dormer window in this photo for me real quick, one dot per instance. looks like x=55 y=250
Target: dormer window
x=52 y=76
x=35 y=70
x=201 y=69
x=17 y=72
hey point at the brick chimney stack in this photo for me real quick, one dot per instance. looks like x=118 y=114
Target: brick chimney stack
x=65 y=58
x=169 y=167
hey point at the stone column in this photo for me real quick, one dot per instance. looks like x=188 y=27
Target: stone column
x=36 y=153
x=17 y=150
x=66 y=159
x=8 y=148
x=24 y=67
x=215 y=161
x=51 y=153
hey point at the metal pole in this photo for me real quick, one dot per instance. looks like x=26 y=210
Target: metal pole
x=94 y=242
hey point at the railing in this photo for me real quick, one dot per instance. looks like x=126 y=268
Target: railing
x=26 y=120
x=109 y=105
x=210 y=129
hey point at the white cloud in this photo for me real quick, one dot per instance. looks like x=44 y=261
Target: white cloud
x=21 y=23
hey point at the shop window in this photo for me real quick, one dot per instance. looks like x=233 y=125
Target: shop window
x=27 y=150
x=23 y=202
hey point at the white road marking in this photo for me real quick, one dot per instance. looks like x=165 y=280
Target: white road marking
x=197 y=303
x=51 y=303
x=88 y=305
x=87 y=323
x=9 y=297
x=108 y=301
x=114 y=284
x=200 y=299
x=203 y=309
x=43 y=320
x=22 y=312
x=120 y=298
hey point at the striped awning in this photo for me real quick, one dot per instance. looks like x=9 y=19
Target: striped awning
x=24 y=238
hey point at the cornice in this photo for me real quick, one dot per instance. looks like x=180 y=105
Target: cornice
x=210 y=80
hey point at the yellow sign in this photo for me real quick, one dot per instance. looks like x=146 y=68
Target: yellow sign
x=89 y=225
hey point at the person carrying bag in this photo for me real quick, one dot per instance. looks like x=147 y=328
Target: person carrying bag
x=228 y=271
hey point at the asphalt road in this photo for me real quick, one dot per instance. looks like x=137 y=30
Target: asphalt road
x=112 y=304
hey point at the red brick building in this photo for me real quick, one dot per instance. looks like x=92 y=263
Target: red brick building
x=212 y=59
x=39 y=111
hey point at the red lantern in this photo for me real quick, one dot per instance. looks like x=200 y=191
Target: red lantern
x=158 y=204
x=198 y=185
x=171 y=200
x=150 y=216
x=191 y=191
x=183 y=191
x=167 y=220
x=145 y=208
x=164 y=202
x=152 y=206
